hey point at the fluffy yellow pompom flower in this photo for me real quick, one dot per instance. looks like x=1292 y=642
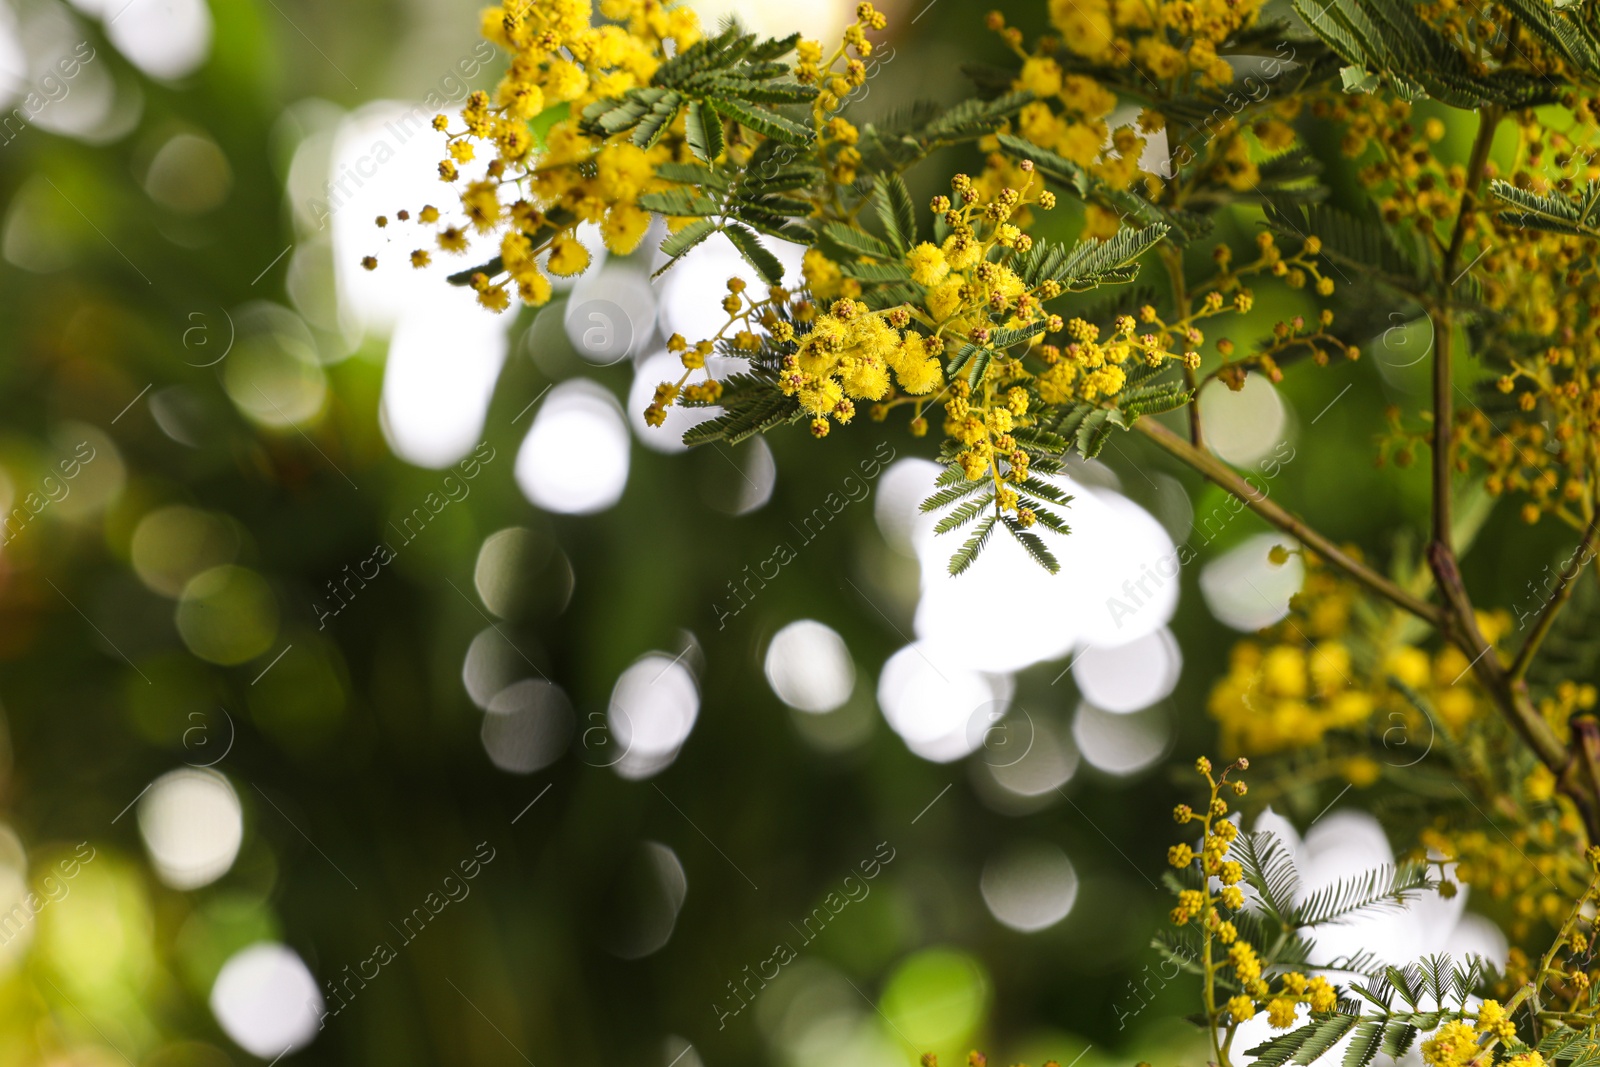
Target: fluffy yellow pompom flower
x=1452 y=1045
x=624 y=227
x=1041 y=76
x=945 y=299
x=927 y=264
x=822 y=275
x=1085 y=26
x=568 y=256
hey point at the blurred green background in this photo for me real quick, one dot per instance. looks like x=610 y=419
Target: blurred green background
x=251 y=757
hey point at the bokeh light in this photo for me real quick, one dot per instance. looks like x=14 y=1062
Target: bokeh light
x=192 y=825
x=1029 y=887
x=575 y=457
x=266 y=1001
x=809 y=667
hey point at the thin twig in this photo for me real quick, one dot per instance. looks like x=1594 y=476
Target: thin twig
x=1567 y=581
x=1223 y=475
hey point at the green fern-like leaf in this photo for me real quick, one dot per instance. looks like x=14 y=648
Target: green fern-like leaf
x=1269 y=869
x=1305 y=1043
x=1385 y=888
x=967 y=554
x=1577 y=215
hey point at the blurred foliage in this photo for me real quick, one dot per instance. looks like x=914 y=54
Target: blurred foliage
x=357 y=757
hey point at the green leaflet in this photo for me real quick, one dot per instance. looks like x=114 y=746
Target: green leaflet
x=679 y=243
x=756 y=254
x=851 y=241
x=678 y=202
x=1088 y=263
x=703 y=130
x=892 y=202
x=1578 y=215
x=732 y=75
x=1390 y=41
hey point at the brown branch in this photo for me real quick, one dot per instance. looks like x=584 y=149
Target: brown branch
x=1172 y=259
x=1458 y=622
x=1443 y=331
x=1508 y=694
x=1225 y=476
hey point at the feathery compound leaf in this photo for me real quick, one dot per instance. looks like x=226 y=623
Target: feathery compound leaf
x=1269 y=869
x=1092 y=262
x=655 y=123
x=892 y=201
x=1045 y=491
x=1364 y=1043
x=758 y=93
x=947 y=496
x=875 y=272
x=856 y=242
x=1398 y=1039
x=974 y=118
x=1571 y=37
x=1032 y=543
x=1381 y=888
x=1578 y=215
x=964 y=514
x=999 y=340
x=679 y=243
x=677 y=202
x=968 y=553
x=1362 y=242
x=703 y=129
x=772 y=48
x=1321 y=1040
x=1045 y=517
x=755 y=253
x=1304 y=1044
x=692 y=174
x=767 y=123
x=1391 y=41
x=745 y=419
x=708 y=53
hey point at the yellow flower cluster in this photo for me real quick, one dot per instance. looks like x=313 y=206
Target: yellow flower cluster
x=1161 y=50
x=1460 y=1043
x=746 y=314
x=836 y=137
x=526 y=188
x=1534 y=863
x=845 y=352
x=1218 y=834
x=1133 y=34
x=1316 y=673
x=1539 y=284
x=848 y=354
